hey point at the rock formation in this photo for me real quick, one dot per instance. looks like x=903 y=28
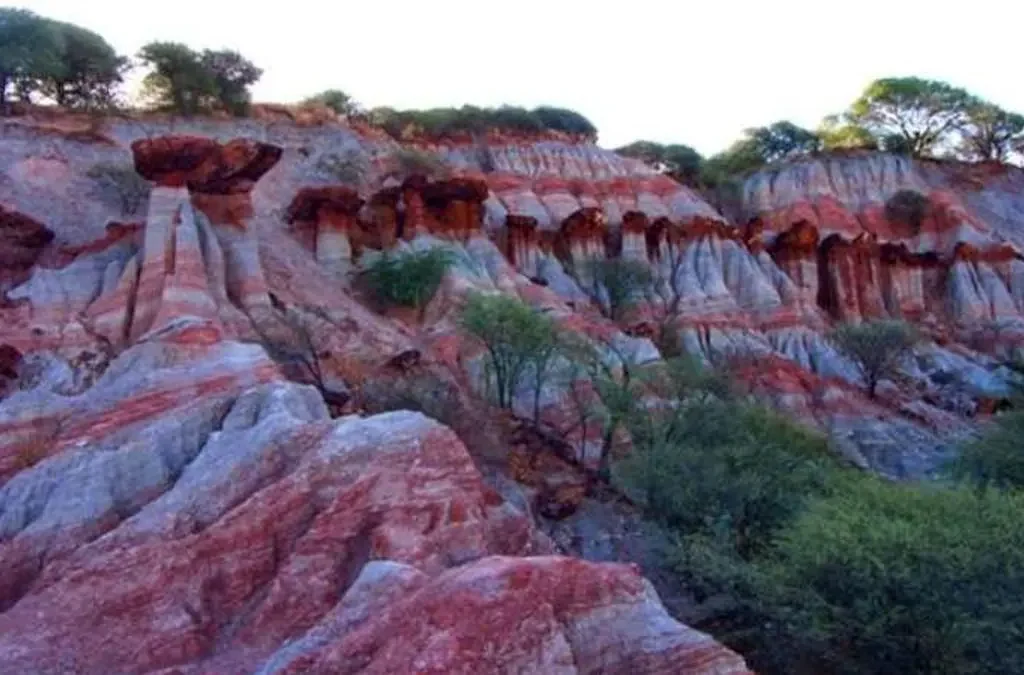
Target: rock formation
x=171 y=502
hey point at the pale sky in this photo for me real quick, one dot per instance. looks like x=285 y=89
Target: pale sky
x=694 y=73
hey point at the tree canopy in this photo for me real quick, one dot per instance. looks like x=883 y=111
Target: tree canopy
x=923 y=113
x=336 y=100
x=681 y=162
x=189 y=82
x=472 y=119
x=72 y=65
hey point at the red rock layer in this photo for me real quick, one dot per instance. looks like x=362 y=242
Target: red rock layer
x=202 y=164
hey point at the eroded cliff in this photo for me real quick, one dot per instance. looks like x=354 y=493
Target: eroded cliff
x=165 y=478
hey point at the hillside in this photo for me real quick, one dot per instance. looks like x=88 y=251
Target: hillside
x=171 y=483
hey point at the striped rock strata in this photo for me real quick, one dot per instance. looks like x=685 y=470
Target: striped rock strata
x=171 y=503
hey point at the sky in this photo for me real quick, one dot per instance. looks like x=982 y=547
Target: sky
x=671 y=72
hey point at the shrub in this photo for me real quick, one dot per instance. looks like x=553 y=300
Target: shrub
x=901 y=579
x=411 y=162
x=521 y=344
x=875 y=347
x=616 y=284
x=349 y=167
x=723 y=468
x=409 y=279
x=336 y=100
x=907 y=207
x=121 y=185
x=997 y=458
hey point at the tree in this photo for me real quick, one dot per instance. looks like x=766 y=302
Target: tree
x=178 y=80
x=616 y=284
x=89 y=72
x=924 y=113
x=681 y=162
x=990 y=133
x=884 y=578
x=30 y=52
x=563 y=119
x=188 y=82
x=521 y=344
x=837 y=132
x=231 y=75
x=336 y=100
x=783 y=140
x=875 y=347
x=409 y=279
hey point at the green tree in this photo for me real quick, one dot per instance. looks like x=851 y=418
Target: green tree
x=877 y=348
x=924 y=113
x=178 y=80
x=706 y=463
x=681 y=162
x=231 y=75
x=30 y=52
x=336 y=100
x=521 y=345
x=996 y=459
x=887 y=578
x=837 y=132
x=90 y=70
x=616 y=284
x=990 y=133
x=409 y=278
x=782 y=140
x=563 y=119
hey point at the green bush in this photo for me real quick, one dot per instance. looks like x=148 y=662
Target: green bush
x=877 y=348
x=996 y=459
x=900 y=579
x=412 y=161
x=120 y=185
x=409 y=279
x=616 y=284
x=723 y=468
x=473 y=119
x=521 y=344
x=349 y=167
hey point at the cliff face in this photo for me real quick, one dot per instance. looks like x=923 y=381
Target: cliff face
x=165 y=483
x=171 y=501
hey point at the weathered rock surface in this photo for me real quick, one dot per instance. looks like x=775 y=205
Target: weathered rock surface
x=171 y=503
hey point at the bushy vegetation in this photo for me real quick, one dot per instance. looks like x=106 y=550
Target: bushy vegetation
x=120 y=185
x=188 y=82
x=616 y=284
x=66 y=63
x=521 y=344
x=402 y=124
x=336 y=100
x=996 y=459
x=412 y=161
x=408 y=278
x=877 y=348
x=812 y=567
x=349 y=168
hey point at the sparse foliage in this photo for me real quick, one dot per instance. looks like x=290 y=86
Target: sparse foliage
x=990 y=133
x=923 y=113
x=877 y=348
x=681 y=162
x=349 y=168
x=120 y=184
x=409 y=278
x=336 y=100
x=412 y=161
x=521 y=345
x=616 y=284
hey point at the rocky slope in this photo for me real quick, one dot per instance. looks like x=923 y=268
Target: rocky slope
x=173 y=501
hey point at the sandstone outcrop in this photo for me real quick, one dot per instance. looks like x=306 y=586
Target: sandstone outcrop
x=170 y=502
